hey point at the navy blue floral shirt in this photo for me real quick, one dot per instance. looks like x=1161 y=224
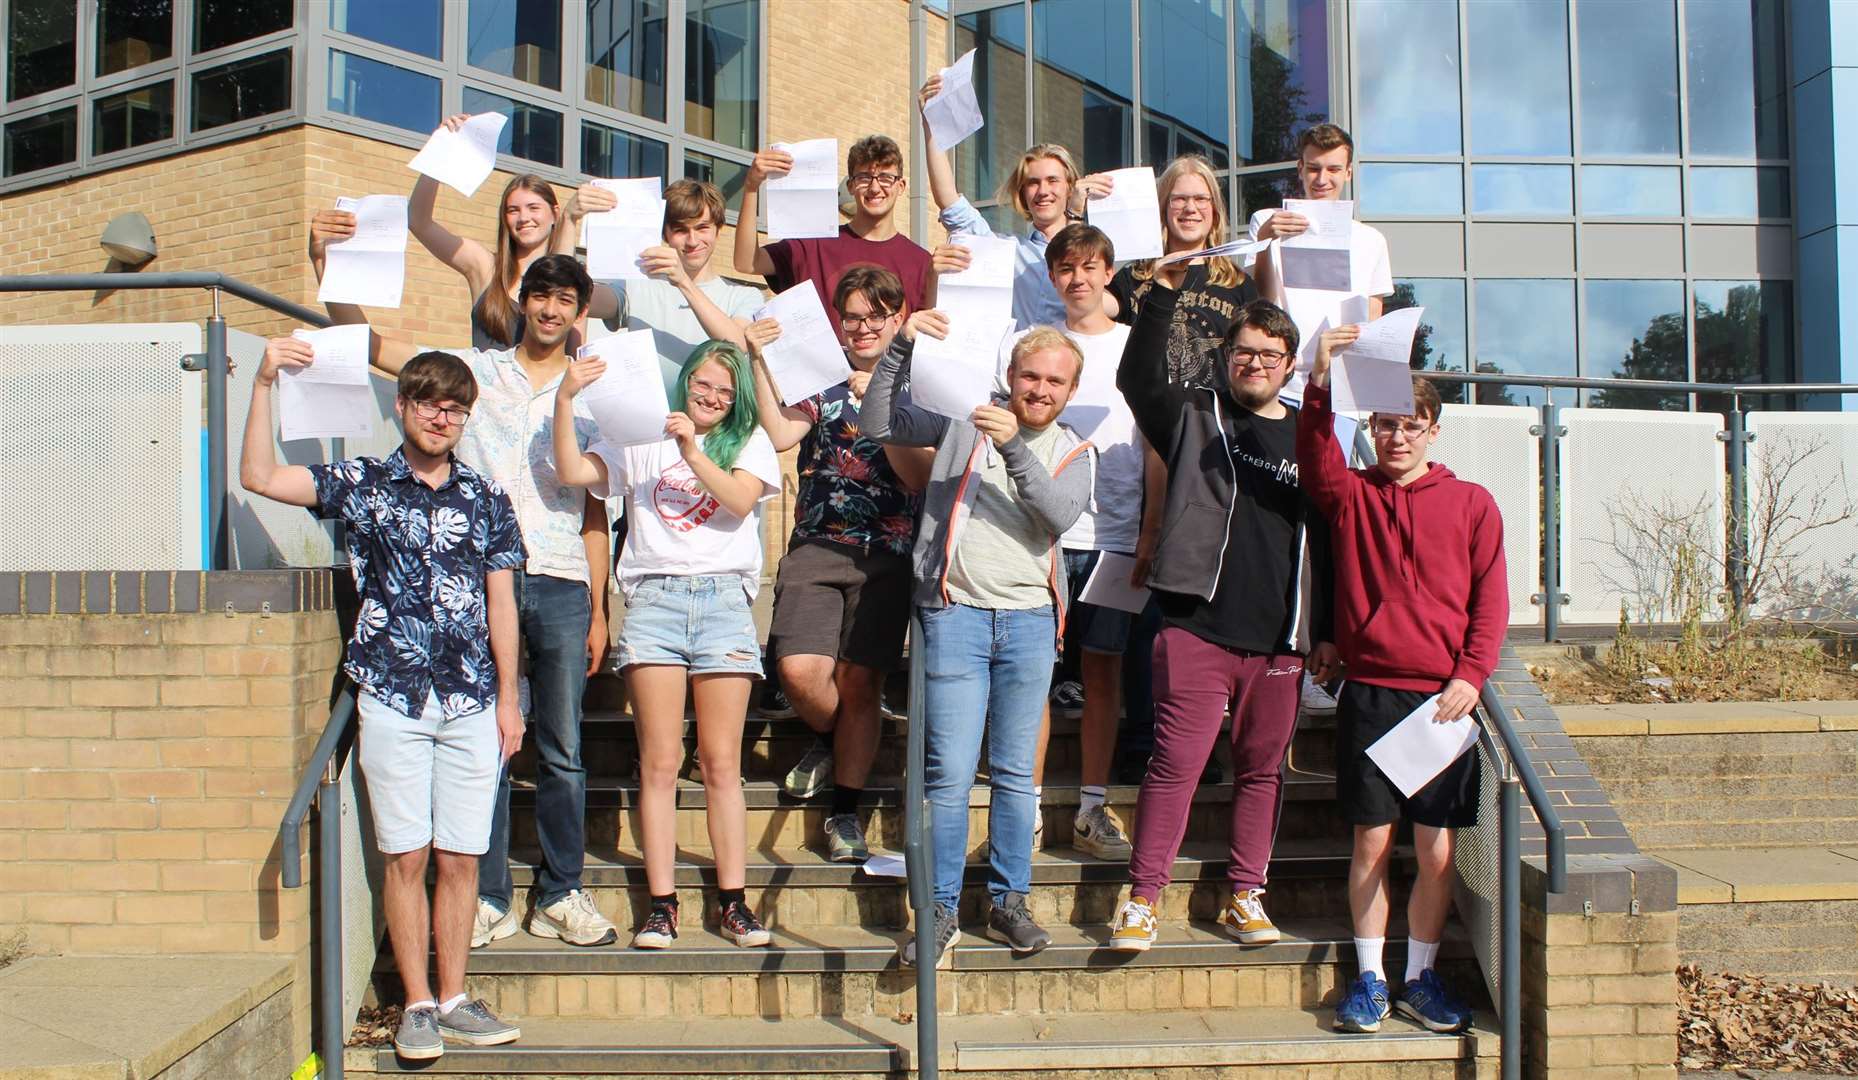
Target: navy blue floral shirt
x=419 y=557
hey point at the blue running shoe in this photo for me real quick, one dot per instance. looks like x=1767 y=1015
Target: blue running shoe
x=1365 y=1006
x=1427 y=1001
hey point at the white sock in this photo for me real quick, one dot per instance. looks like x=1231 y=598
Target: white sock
x=1089 y=796
x=426 y=1004
x=452 y=1003
x=1368 y=956
x=1419 y=957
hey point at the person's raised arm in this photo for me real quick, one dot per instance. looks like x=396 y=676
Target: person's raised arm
x=574 y=466
x=332 y=227
x=1057 y=497
x=259 y=472
x=738 y=490
x=466 y=256
x=883 y=414
x=1322 y=464
x=663 y=263
x=1142 y=376
x=604 y=304
x=785 y=426
x=942 y=186
x=750 y=256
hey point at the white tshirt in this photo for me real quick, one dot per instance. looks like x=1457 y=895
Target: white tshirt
x=1097 y=412
x=678 y=528
x=658 y=306
x=1370 y=274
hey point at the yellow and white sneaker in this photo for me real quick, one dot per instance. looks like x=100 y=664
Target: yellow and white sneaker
x=1133 y=928
x=1244 y=918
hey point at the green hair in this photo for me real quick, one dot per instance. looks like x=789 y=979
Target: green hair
x=724 y=442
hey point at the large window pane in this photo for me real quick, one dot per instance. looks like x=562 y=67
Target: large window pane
x=722 y=71
x=1524 y=325
x=609 y=152
x=1744 y=335
x=1628 y=77
x=728 y=176
x=518 y=38
x=1392 y=188
x=132 y=118
x=1737 y=191
x=1440 y=343
x=218 y=23
x=1184 y=78
x=1635 y=330
x=416 y=26
x=1737 y=76
x=1630 y=191
x=1282 y=65
x=40 y=142
x=1518 y=54
x=1522 y=189
x=242 y=90
x=626 y=55
x=1261 y=189
x=533 y=132
x=131 y=33
x=41 y=48
x=985 y=159
x=1081 y=89
x=384 y=93
x=1406 y=63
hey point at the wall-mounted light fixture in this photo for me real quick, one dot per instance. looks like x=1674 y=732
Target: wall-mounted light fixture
x=129 y=239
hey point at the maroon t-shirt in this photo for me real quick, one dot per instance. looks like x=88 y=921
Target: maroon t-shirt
x=825 y=260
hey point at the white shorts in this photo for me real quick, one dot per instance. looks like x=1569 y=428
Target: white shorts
x=430 y=780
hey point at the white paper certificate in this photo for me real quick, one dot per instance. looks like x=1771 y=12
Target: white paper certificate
x=955 y=375
x=1419 y=748
x=955 y=112
x=615 y=238
x=628 y=399
x=807 y=358
x=462 y=159
x=1375 y=373
x=330 y=399
x=1319 y=257
x=369 y=267
x=985 y=289
x=1109 y=585
x=1130 y=214
x=804 y=204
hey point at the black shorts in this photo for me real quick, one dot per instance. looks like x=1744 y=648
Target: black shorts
x=1366 y=796
x=842 y=601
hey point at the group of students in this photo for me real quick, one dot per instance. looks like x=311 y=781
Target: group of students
x=480 y=547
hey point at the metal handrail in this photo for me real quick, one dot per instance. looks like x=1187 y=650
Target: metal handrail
x=1672 y=386
x=322 y=775
x=1497 y=709
x=917 y=858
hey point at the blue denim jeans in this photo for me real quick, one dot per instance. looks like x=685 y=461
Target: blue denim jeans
x=555 y=616
x=981 y=663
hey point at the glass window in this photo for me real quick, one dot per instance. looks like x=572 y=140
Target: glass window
x=1184 y=77
x=609 y=152
x=41 y=142
x=1635 y=330
x=1261 y=189
x=1737 y=76
x=1522 y=189
x=984 y=160
x=533 y=132
x=1440 y=343
x=1628 y=77
x=1389 y=188
x=722 y=71
x=1518 y=55
x=1736 y=191
x=1744 y=335
x=1082 y=86
x=415 y=26
x=1524 y=325
x=626 y=55
x=132 y=118
x=728 y=176
x=518 y=38
x=1406 y=64
x=383 y=93
x=1282 y=67
x=242 y=90
x=218 y=23
x=41 y=51
x=131 y=33
x=1630 y=191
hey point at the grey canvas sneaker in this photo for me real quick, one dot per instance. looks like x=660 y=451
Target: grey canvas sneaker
x=812 y=773
x=945 y=934
x=845 y=842
x=473 y=1022
x=1009 y=922
x=418 y=1038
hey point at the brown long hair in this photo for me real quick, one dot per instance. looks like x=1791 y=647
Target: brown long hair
x=493 y=308
x=1219 y=269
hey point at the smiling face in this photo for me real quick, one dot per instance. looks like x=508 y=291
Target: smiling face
x=1257 y=366
x=694 y=241
x=529 y=218
x=1323 y=172
x=1045 y=191
x=1189 y=211
x=709 y=394
x=868 y=330
x=1041 y=384
x=876 y=186
x=1401 y=444
x=1080 y=278
x=550 y=314
x=432 y=427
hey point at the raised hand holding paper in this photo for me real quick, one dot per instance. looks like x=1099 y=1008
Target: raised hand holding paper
x=330 y=399
x=1374 y=374
x=369 y=267
x=955 y=375
x=616 y=237
x=1109 y=586
x=804 y=204
x=1130 y=214
x=1419 y=747
x=628 y=400
x=1319 y=258
x=955 y=112
x=807 y=358
x=462 y=159
x=985 y=289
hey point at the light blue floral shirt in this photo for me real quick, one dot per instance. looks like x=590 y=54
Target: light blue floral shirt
x=1035 y=301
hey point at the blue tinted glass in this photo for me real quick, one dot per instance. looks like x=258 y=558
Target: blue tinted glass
x=626 y=55
x=1524 y=325
x=1440 y=343
x=533 y=132
x=518 y=38
x=1628 y=77
x=1738 y=191
x=1737 y=76
x=728 y=176
x=1388 y=188
x=1518 y=56
x=418 y=26
x=1630 y=191
x=1184 y=78
x=610 y=152
x=1635 y=330
x=985 y=159
x=722 y=71
x=1744 y=335
x=382 y=92
x=1406 y=63
x=1281 y=59
x=1082 y=86
x=1522 y=189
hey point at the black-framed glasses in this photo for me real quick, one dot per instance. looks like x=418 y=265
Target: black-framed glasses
x=703 y=388
x=1386 y=427
x=431 y=410
x=1268 y=359
x=884 y=180
x=873 y=322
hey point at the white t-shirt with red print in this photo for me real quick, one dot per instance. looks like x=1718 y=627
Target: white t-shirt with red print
x=678 y=529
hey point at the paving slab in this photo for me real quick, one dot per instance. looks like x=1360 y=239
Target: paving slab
x=1581 y=720
x=1773 y=874
x=1729 y=717
x=30 y=1052
x=1694 y=887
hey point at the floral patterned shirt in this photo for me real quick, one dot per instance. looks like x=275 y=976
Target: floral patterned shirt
x=419 y=556
x=848 y=492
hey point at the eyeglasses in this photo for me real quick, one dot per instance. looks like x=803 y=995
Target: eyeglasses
x=1268 y=359
x=1190 y=200
x=873 y=322
x=700 y=388
x=427 y=410
x=884 y=180
x=1388 y=427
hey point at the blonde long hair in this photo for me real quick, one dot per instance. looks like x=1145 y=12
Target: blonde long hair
x=493 y=308
x=1219 y=269
x=1012 y=189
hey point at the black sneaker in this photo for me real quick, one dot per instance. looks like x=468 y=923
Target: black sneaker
x=1131 y=768
x=1009 y=922
x=947 y=931
x=774 y=704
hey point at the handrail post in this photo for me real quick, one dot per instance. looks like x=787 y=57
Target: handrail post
x=217 y=493
x=1738 y=439
x=1550 y=596
x=918 y=860
x=329 y=918
x=1509 y=888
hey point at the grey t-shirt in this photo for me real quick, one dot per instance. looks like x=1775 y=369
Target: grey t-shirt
x=658 y=306
x=1003 y=556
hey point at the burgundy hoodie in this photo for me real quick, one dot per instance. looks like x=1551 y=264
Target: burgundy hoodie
x=1421 y=591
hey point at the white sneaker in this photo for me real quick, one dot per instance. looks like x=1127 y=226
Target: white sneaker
x=491 y=924
x=1096 y=833
x=575 y=920
x=1316 y=701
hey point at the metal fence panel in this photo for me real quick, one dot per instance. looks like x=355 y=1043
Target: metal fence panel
x=1637 y=488
x=100 y=447
x=1479 y=865
x=1801 y=514
x=1491 y=445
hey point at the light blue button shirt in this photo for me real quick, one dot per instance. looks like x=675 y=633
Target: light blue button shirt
x=1035 y=301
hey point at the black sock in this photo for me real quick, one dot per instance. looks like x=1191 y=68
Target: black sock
x=845 y=799
x=669 y=901
x=725 y=897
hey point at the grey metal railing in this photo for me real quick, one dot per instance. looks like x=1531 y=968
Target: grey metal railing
x=918 y=859
x=321 y=782
x=213 y=361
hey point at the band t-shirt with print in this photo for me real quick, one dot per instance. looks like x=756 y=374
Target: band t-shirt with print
x=1202 y=314
x=848 y=492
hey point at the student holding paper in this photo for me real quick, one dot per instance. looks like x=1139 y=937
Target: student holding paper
x=842 y=593
x=690 y=570
x=991 y=591
x=1422 y=603
x=874 y=167
x=434 y=658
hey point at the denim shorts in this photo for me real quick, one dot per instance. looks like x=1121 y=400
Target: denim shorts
x=430 y=780
x=1092 y=627
x=700 y=623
